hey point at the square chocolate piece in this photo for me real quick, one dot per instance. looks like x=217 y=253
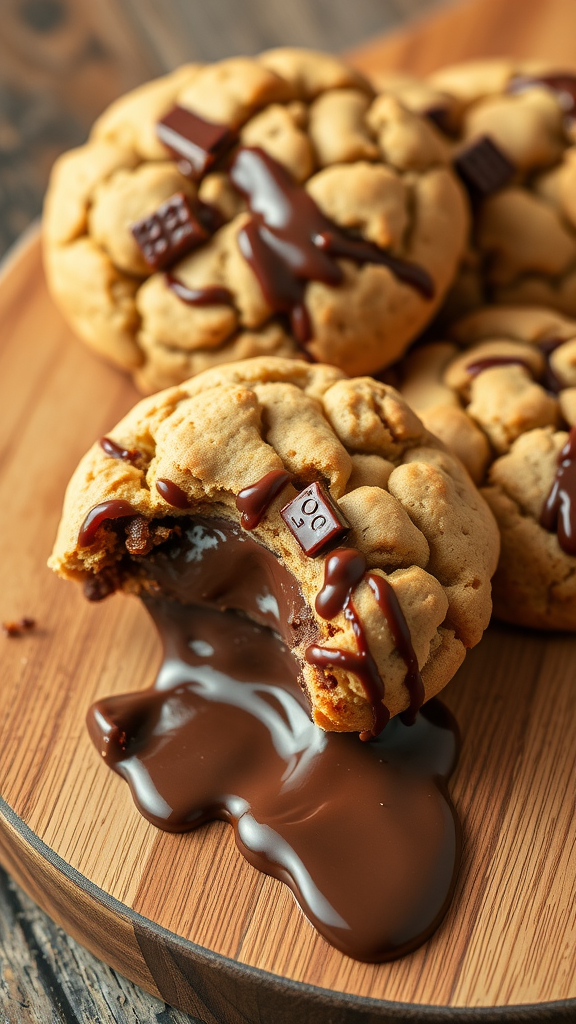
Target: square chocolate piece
x=196 y=142
x=169 y=233
x=483 y=168
x=315 y=520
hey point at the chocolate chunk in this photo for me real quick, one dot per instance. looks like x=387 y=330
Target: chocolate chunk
x=169 y=233
x=198 y=143
x=315 y=520
x=483 y=168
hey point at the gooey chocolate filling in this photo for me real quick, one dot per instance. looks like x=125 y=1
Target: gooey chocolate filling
x=364 y=834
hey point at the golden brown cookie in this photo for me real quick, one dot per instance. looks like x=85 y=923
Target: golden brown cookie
x=257 y=206
x=501 y=394
x=388 y=546
x=523 y=245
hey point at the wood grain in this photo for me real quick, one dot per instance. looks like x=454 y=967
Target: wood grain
x=510 y=936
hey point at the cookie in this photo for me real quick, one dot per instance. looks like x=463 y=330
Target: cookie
x=257 y=206
x=372 y=549
x=513 y=129
x=501 y=394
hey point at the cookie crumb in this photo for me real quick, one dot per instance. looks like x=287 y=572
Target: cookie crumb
x=16 y=628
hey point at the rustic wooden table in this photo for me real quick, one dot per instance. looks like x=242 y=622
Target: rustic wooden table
x=61 y=63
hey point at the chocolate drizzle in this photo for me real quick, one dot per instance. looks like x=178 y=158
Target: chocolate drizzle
x=210 y=295
x=288 y=241
x=344 y=569
x=475 y=368
x=253 y=501
x=559 y=511
x=384 y=593
x=363 y=834
x=172 y=494
x=117 y=451
x=116 y=508
x=547 y=346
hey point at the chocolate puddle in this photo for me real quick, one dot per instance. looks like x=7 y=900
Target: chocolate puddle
x=363 y=833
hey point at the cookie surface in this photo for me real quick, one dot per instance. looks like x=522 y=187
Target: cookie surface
x=418 y=527
x=501 y=394
x=523 y=245
x=377 y=174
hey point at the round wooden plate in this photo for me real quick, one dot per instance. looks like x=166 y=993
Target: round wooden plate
x=184 y=915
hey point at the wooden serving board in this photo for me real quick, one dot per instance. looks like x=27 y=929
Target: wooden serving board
x=185 y=916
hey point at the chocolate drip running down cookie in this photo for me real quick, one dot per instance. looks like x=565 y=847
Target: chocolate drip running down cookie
x=289 y=242
x=559 y=511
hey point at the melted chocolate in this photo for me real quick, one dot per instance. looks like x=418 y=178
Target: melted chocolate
x=172 y=494
x=253 y=501
x=211 y=295
x=384 y=593
x=289 y=242
x=117 y=508
x=340 y=245
x=361 y=663
x=343 y=570
x=547 y=346
x=363 y=834
x=477 y=367
x=559 y=512
x=116 y=451
x=198 y=143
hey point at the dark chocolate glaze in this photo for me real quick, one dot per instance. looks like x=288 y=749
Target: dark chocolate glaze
x=253 y=501
x=384 y=593
x=289 y=242
x=172 y=494
x=364 y=834
x=339 y=245
x=198 y=143
x=361 y=663
x=343 y=570
x=475 y=368
x=559 y=511
x=211 y=295
x=116 y=451
x=547 y=346
x=117 y=508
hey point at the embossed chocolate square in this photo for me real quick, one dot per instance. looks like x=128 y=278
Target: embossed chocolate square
x=315 y=520
x=168 y=233
x=483 y=167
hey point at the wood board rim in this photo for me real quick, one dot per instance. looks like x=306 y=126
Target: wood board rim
x=371 y=1009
